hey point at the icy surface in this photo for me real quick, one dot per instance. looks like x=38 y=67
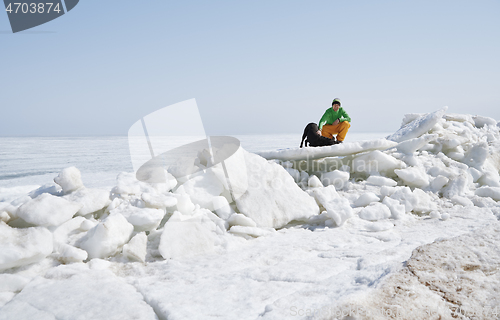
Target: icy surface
x=378 y=226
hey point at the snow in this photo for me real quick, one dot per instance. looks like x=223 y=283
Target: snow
x=86 y=294
x=408 y=226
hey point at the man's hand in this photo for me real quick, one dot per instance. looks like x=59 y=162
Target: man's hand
x=319 y=132
x=335 y=122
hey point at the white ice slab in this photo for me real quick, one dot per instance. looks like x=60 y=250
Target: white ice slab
x=344 y=149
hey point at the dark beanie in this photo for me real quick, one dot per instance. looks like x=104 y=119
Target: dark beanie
x=336 y=101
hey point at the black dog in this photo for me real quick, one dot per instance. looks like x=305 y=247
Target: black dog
x=312 y=137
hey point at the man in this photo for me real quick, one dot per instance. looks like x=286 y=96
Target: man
x=334 y=121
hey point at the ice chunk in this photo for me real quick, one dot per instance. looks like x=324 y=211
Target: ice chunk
x=184 y=204
x=222 y=207
x=252 y=231
x=365 y=199
x=4 y=216
x=438 y=183
x=135 y=249
x=412 y=145
x=336 y=178
x=20 y=247
x=238 y=219
x=397 y=209
x=344 y=149
x=69 y=254
x=489 y=178
x=143 y=219
x=458 y=186
x=376 y=162
x=481 y=121
x=51 y=188
x=381 y=181
x=462 y=201
x=424 y=202
x=202 y=189
x=435 y=214
x=413 y=177
x=48 y=210
x=62 y=232
x=417 y=127
x=273 y=199
x=492 y=192
x=477 y=155
x=107 y=237
x=337 y=208
x=314 y=182
x=405 y=197
x=375 y=211
x=159 y=201
x=187 y=235
x=70 y=179
x=92 y=200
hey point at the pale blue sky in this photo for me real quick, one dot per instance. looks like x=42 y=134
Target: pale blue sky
x=253 y=66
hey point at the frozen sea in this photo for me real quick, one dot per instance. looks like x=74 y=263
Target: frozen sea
x=28 y=161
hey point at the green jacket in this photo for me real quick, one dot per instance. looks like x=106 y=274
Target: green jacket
x=330 y=116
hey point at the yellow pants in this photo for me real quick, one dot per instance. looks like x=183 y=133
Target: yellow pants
x=340 y=130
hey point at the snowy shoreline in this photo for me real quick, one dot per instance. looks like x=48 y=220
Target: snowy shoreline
x=369 y=224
